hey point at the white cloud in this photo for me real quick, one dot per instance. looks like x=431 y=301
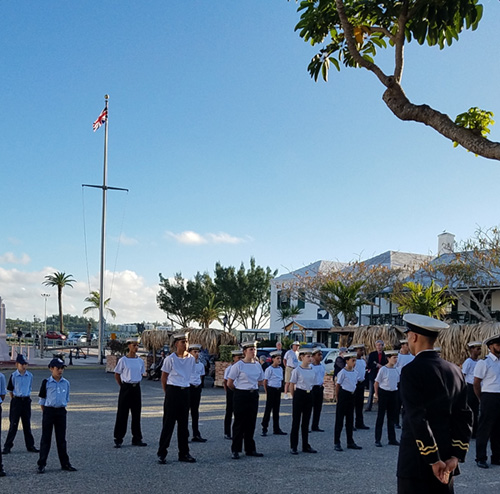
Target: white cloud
x=123 y=239
x=10 y=258
x=131 y=297
x=189 y=237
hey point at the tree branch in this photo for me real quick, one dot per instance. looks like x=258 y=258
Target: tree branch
x=399 y=43
x=351 y=46
x=395 y=98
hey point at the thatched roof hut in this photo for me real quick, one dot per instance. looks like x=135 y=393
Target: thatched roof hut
x=211 y=338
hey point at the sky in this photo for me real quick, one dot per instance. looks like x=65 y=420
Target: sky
x=227 y=147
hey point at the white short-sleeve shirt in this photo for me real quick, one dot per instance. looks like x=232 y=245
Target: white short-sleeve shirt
x=303 y=377
x=246 y=375
x=130 y=369
x=488 y=370
x=388 y=378
x=274 y=376
x=179 y=369
x=468 y=368
x=348 y=380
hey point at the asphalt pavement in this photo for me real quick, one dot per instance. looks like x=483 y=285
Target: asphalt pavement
x=102 y=468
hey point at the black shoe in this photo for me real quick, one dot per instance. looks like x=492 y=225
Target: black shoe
x=495 y=462
x=6 y=451
x=394 y=443
x=482 y=464
x=397 y=426
x=264 y=433
x=139 y=443
x=118 y=444
x=378 y=444
x=32 y=450
x=235 y=456
x=317 y=429
x=2 y=472
x=280 y=433
x=198 y=439
x=362 y=427
x=254 y=453
x=338 y=447
x=353 y=446
x=187 y=459
x=308 y=450
x=293 y=451
x=228 y=437
x=368 y=410
x=69 y=468
x=162 y=460
x=40 y=469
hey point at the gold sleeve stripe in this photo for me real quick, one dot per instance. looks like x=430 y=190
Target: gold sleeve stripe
x=459 y=444
x=426 y=450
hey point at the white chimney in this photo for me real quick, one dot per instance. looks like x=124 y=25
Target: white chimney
x=446 y=241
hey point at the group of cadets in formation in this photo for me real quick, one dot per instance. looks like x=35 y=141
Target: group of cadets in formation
x=300 y=376
x=53 y=399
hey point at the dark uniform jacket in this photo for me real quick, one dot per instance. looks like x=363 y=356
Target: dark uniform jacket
x=371 y=364
x=437 y=421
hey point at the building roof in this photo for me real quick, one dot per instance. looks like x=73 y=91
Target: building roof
x=311 y=270
x=313 y=324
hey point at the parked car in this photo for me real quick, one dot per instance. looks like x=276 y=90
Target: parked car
x=84 y=340
x=266 y=352
x=73 y=337
x=329 y=356
x=55 y=335
x=313 y=345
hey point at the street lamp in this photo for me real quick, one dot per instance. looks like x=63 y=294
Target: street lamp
x=42 y=339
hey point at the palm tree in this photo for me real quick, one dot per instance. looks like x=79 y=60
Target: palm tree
x=209 y=312
x=94 y=299
x=430 y=301
x=342 y=298
x=60 y=280
x=286 y=313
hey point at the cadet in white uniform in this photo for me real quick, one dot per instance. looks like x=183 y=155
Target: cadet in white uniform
x=228 y=417
x=359 y=394
x=273 y=380
x=291 y=360
x=244 y=378
x=128 y=375
x=468 y=368
x=318 y=388
x=301 y=384
x=195 y=392
x=175 y=378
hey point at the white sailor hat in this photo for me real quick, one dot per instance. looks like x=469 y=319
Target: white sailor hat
x=349 y=355
x=194 y=346
x=492 y=339
x=235 y=353
x=437 y=349
x=132 y=340
x=390 y=353
x=296 y=343
x=424 y=325
x=356 y=346
x=249 y=344
x=316 y=350
x=304 y=351
x=403 y=342
x=180 y=336
x=276 y=353
x=474 y=344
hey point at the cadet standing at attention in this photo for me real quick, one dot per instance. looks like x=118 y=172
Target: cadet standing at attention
x=244 y=378
x=347 y=380
x=386 y=392
x=273 y=381
x=318 y=389
x=195 y=392
x=228 y=417
x=19 y=388
x=468 y=368
x=301 y=385
x=359 y=394
x=128 y=375
x=437 y=422
x=54 y=397
x=175 y=378
x=487 y=388
x=3 y=392
x=290 y=361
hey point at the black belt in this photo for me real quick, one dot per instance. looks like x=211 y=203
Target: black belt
x=246 y=390
x=303 y=390
x=274 y=387
x=21 y=398
x=132 y=384
x=182 y=388
x=318 y=386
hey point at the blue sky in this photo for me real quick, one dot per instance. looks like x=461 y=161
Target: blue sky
x=228 y=148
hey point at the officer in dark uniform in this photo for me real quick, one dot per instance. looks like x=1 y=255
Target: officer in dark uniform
x=437 y=421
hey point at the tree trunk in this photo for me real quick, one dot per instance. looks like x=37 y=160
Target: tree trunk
x=59 y=301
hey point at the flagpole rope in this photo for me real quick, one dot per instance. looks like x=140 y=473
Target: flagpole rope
x=118 y=247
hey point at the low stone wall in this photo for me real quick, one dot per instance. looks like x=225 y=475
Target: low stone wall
x=329 y=391
x=220 y=368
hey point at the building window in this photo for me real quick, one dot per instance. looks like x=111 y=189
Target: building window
x=301 y=302
x=283 y=300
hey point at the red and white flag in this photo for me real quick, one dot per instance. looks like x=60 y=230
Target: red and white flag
x=100 y=119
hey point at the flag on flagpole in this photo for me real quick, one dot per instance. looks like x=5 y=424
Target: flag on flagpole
x=100 y=119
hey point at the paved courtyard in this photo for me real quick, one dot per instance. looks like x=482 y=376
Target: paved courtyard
x=101 y=468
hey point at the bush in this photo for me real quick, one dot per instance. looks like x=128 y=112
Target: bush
x=225 y=352
x=117 y=347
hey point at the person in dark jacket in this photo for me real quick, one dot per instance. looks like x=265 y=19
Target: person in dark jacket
x=437 y=422
x=376 y=360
